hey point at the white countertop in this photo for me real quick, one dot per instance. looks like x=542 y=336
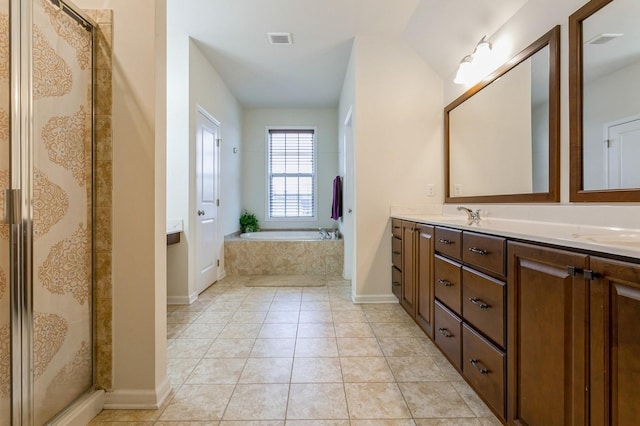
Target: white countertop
x=616 y=241
x=174 y=226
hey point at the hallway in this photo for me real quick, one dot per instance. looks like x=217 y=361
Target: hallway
x=302 y=355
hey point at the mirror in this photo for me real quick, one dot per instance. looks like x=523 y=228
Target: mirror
x=501 y=136
x=604 y=43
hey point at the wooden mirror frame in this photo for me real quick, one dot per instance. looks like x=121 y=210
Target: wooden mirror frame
x=551 y=39
x=577 y=193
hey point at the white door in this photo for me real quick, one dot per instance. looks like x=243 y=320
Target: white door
x=348 y=205
x=207 y=245
x=622 y=152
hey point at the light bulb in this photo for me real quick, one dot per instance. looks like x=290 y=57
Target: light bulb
x=464 y=70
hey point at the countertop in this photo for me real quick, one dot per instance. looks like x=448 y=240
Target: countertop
x=616 y=241
x=174 y=226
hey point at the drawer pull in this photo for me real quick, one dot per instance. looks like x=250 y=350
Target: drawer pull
x=445 y=333
x=396 y=252
x=478 y=303
x=397 y=227
x=478 y=367
x=396 y=284
x=443 y=241
x=445 y=282
x=481 y=252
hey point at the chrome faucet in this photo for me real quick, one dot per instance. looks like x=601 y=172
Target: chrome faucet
x=324 y=234
x=473 y=217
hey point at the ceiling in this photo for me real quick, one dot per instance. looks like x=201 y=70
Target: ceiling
x=309 y=73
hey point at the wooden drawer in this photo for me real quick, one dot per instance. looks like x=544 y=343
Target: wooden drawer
x=448 y=283
x=448 y=333
x=483 y=304
x=484 y=366
x=396 y=228
x=484 y=251
x=396 y=282
x=396 y=252
x=449 y=242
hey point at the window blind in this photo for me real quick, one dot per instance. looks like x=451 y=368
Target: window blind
x=291 y=170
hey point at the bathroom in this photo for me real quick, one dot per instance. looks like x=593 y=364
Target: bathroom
x=389 y=96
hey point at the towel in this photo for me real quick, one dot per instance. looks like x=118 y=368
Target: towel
x=336 y=206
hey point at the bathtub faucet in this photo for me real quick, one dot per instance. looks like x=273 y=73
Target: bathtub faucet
x=324 y=234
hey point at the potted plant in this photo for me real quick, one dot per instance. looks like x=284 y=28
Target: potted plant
x=248 y=222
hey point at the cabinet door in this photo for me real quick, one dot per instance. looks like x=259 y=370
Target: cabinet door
x=425 y=297
x=547 y=316
x=615 y=343
x=408 y=299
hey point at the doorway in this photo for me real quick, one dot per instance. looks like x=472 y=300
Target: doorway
x=207 y=200
x=621 y=151
x=347 y=170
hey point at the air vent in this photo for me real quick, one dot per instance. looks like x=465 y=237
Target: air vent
x=603 y=38
x=280 y=38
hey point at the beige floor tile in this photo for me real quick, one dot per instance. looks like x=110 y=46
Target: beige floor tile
x=316 y=329
x=267 y=370
x=355 y=329
x=251 y=423
x=198 y=402
x=376 y=401
x=316 y=370
x=258 y=402
x=316 y=347
x=182 y=317
x=316 y=316
x=188 y=348
x=366 y=369
x=348 y=316
x=240 y=331
x=490 y=421
x=435 y=400
x=230 y=348
x=178 y=369
x=101 y=423
x=415 y=369
x=317 y=401
x=273 y=348
x=282 y=317
x=248 y=317
x=448 y=422
x=402 y=346
x=175 y=330
x=340 y=304
x=213 y=423
x=214 y=371
x=449 y=372
x=284 y=305
x=388 y=422
x=202 y=331
x=278 y=331
x=315 y=305
x=382 y=307
x=255 y=306
x=110 y=416
x=358 y=346
x=317 y=423
x=214 y=317
x=392 y=329
x=474 y=402
x=388 y=316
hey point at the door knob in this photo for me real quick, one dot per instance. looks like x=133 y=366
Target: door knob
x=200 y=212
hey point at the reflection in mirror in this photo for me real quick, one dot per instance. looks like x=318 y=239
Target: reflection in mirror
x=502 y=136
x=611 y=107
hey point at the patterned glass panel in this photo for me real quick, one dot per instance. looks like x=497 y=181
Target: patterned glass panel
x=62 y=301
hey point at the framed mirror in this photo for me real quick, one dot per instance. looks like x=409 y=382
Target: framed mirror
x=502 y=135
x=604 y=101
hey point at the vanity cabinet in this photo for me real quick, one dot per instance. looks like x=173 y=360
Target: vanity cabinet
x=470 y=309
x=412 y=270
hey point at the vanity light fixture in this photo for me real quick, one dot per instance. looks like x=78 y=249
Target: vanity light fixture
x=474 y=67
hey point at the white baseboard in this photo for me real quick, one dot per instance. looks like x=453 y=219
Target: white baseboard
x=182 y=300
x=138 y=399
x=374 y=298
x=81 y=413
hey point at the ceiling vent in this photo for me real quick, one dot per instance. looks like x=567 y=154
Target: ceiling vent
x=603 y=38
x=280 y=38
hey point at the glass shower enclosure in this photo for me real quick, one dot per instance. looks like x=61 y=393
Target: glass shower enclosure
x=46 y=209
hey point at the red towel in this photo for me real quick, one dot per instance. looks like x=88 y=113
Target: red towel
x=336 y=206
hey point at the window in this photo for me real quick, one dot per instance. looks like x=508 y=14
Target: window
x=291 y=170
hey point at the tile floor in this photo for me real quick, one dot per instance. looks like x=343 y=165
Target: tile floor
x=302 y=356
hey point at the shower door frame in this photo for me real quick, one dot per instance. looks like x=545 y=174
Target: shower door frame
x=19 y=196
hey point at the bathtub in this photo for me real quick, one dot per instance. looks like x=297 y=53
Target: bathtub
x=287 y=252
x=282 y=236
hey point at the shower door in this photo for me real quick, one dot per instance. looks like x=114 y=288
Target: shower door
x=47 y=156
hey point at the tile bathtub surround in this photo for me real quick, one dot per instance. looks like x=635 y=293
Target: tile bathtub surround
x=302 y=356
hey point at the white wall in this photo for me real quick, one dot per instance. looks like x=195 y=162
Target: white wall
x=533 y=20
x=398 y=150
x=139 y=208
x=254 y=187
x=195 y=83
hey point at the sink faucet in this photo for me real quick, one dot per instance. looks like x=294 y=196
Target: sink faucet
x=472 y=216
x=323 y=233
